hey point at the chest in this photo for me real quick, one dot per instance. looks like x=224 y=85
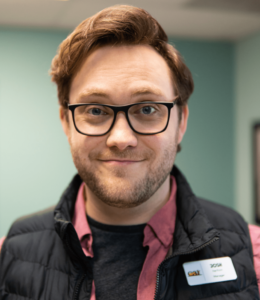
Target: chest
x=173 y=284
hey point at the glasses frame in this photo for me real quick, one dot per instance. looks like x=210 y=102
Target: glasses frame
x=124 y=109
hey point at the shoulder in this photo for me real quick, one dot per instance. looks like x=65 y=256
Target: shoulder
x=224 y=218
x=31 y=249
x=39 y=221
x=29 y=232
x=234 y=231
x=28 y=241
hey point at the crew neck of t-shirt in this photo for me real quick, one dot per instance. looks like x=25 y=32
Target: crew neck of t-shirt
x=116 y=228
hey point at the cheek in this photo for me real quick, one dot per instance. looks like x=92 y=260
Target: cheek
x=87 y=146
x=173 y=128
x=78 y=143
x=173 y=121
x=166 y=142
x=156 y=144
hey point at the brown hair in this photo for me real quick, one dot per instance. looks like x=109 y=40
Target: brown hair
x=117 y=25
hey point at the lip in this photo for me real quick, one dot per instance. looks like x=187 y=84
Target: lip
x=120 y=162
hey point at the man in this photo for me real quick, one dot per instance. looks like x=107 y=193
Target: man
x=128 y=224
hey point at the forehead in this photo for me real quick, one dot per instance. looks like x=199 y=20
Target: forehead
x=122 y=72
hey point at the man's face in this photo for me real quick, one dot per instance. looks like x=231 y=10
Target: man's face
x=123 y=168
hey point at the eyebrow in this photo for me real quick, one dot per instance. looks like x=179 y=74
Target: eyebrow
x=92 y=92
x=144 y=91
x=147 y=91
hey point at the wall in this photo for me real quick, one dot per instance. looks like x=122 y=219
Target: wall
x=207 y=157
x=247 y=91
x=35 y=161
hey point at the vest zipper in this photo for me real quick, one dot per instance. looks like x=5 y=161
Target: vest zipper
x=80 y=281
x=181 y=253
x=77 y=288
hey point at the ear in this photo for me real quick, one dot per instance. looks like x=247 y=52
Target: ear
x=183 y=123
x=64 y=120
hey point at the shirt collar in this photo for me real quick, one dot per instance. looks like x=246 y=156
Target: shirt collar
x=79 y=220
x=162 y=224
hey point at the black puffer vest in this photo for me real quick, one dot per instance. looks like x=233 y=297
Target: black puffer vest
x=42 y=259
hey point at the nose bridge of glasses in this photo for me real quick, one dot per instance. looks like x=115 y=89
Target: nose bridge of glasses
x=123 y=113
x=124 y=109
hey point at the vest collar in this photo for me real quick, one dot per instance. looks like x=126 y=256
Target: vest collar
x=193 y=230
x=65 y=208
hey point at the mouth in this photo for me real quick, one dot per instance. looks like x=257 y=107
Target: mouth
x=120 y=162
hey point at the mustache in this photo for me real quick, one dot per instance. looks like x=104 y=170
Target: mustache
x=130 y=154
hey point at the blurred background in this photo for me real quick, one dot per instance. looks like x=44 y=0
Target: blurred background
x=220 y=42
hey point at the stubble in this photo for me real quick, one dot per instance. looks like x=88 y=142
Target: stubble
x=119 y=190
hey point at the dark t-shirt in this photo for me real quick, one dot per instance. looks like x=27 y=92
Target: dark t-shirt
x=118 y=259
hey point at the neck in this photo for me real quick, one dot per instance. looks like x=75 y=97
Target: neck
x=103 y=213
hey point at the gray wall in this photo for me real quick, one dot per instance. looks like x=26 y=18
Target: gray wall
x=35 y=161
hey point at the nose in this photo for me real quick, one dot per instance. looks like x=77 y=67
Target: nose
x=121 y=135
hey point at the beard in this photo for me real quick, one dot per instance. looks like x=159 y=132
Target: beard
x=121 y=189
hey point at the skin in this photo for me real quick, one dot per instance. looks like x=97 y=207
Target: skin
x=126 y=174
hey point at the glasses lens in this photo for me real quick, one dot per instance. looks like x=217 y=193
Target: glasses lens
x=148 y=117
x=93 y=119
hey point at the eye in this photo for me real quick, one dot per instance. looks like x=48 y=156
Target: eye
x=95 y=111
x=147 y=110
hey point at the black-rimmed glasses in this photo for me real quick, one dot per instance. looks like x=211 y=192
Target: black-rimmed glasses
x=145 y=118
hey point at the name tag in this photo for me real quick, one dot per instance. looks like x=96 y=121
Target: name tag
x=209 y=271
